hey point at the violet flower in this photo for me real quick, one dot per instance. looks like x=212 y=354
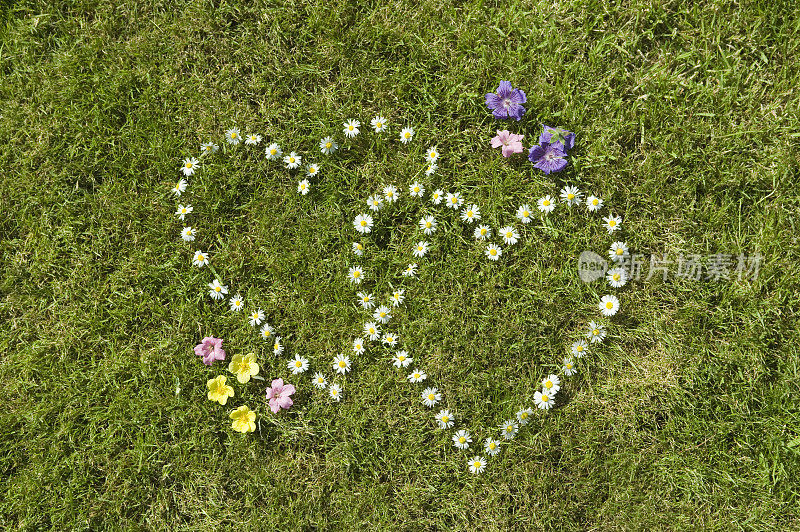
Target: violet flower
x=279 y=396
x=511 y=143
x=506 y=101
x=210 y=349
x=556 y=135
x=548 y=157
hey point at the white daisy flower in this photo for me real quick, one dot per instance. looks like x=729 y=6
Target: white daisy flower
x=546 y=204
x=180 y=187
x=253 y=139
x=297 y=365
x=454 y=200
x=431 y=396
x=375 y=203
x=390 y=193
x=421 y=248
x=233 y=136
x=416 y=189
x=494 y=252
x=277 y=347
x=523 y=416
x=200 y=259
x=312 y=169
x=273 y=151
x=551 y=385
x=597 y=332
x=355 y=274
x=593 y=203
x=445 y=419
x=351 y=128
x=609 y=305
x=431 y=169
x=256 y=317
x=208 y=148
x=341 y=364
x=237 y=303
x=183 y=210
x=509 y=429
x=292 y=160
x=618 y=252
x=571 y=196
x=372 y=330
x=491 y=446
x=365 y=300
x=617 y=277
x=390 y=339
x=407 y=135
x=217 y=290
x=510 y=235
x=363 y=223
x=335 y=391
x=379 y=124
x=189 y=167
x=382 y=314
x=568 y=368
x=436 y=197
x=477 y=464
x=328 y=145
x=401 y=359
x=416 y=376
x=188 y=234
x=482 y=232
x=358 y=249
x=471 y=214
x=428 y=224
x=267 y=332
x=543 y=401
x=432 y=154
x=398 y=296
x=524 y=214
x=612 y=223
x=579 y=348
x=411 y=270
x=358 y=346
x=303 y=187
x=319 y=380
x=462 y=439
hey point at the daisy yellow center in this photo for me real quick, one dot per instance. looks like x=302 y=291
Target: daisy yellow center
x=266 y=331
x=454 y=200
x=508 y=235
x=200 y=258
x=428 y=225
x=334 y=391
x=595 y=332
x=545 y=398
x=358 y=346
x=549 y=384
x=303 y=186
x=431 y=397
x=350 y=128
x=620 y=251
x=579 y=348
x=433 y=155
x=435 y=195
x=320 y=380
x=376 y=202
x=233 y=135
x=462 y=439
x=311 y=170
x=492 y=446
x=390 y=339
x=616 y=276
x=419 y=248
x=291 y=159
x=379 y=125
x=493 y=252
x=401 y=358
x=476 y=465
x=183 y=211
x=416 y=375
x=469 y=213
x=510 y=428
x=277 y=346
x=188 y=165
x=363 y=223
x=523 y=415
x=416 y=189
x=342 y=364
x=218 y=288
x=372 y=331
x=483 y=232
x=546 y=203
x=445 y=419
x=389 y=194
x=407 y=135
x=595 y=202
x=612 y=223
x=356 y=273
x=525 y=214
x=366 y=300
x=328 y=145
x=383 y=314
x=569 y=366
x=273 y=151
x=570 y=196
x=609 y=305
x=298 y=364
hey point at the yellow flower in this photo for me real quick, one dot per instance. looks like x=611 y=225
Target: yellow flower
x=243 y=367
x=218 y=390
x=243 y=419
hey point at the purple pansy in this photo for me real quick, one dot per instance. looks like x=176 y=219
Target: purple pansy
x=556 y=135
x=548 y=157
x=210 y=349
x=506 y=101
x=279 y=395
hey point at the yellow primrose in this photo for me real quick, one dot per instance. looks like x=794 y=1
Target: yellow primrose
x=243 y=419
x=244 y=367
x=218 y=390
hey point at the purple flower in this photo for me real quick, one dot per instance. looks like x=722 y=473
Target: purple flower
x=506 y=101
x=210 y=349
x=279 y=396
x=548 y=157
x=510 y=142
x=556 y=135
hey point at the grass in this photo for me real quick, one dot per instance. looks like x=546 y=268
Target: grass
x=687 y=122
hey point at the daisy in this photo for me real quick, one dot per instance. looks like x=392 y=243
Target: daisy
x=612 y=223
x=358 y=249
x=509 y=429
x=543 y=401
x=568 y=368
x=421 y=248
x=618 y=251
x=471 y=214
x=372 y=331
x=200 y=259
x=217 y=290
x=312 y=169
x=579 y=348
x=551 y=385
x=335 y=391
x=416 y=189
x=298 y=365
x=189 y=167
x=571 y=196
x=256 y=317
x=510 y=235
x=237 y=303
x=382 y=314
x=523 y=416
x=208 y=147
x=180 y=187
x=462 y=439
x=609 y=305
x=436 y=197
x=431 y=396
x=428 y=224
x=411 y=270
x=375 y=202
x=183 y=210
x=188 y=234
x=351 y=128
x=398 y=297
x=445 y=419
x=483 y=232
x=267 y=331
x=253 y=139
x=363 y=223
x=546 y=204
x=432 y=154
x=273 y=152
x=493 y=251
x=303 y=187
x=431 y=169
x=406 y=135
x=524 y=214
x=617 y=277
x=341 y=364
x=593 y=203
x=379 y=124
x=292 y=160
x=366 y=300
x=390 y=339
x=401 y=359
x=417 y=376
x=328 y=145
x=355 y=274
x=277 y=347
x=597 y=332
x=390 y=193
x=454 y=200
x=477 y=464
x=233 y=136
x=491 y=446
x=319 y=380
x=358 y=346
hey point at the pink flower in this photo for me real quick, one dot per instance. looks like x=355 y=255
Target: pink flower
x=210 y=349
x=510 y=142
x=279 y=395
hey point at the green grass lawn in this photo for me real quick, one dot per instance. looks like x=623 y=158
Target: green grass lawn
x=687 y=122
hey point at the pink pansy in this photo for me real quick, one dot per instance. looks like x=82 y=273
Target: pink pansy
x=279 y=395
x=510 y=142
x=210 y=349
